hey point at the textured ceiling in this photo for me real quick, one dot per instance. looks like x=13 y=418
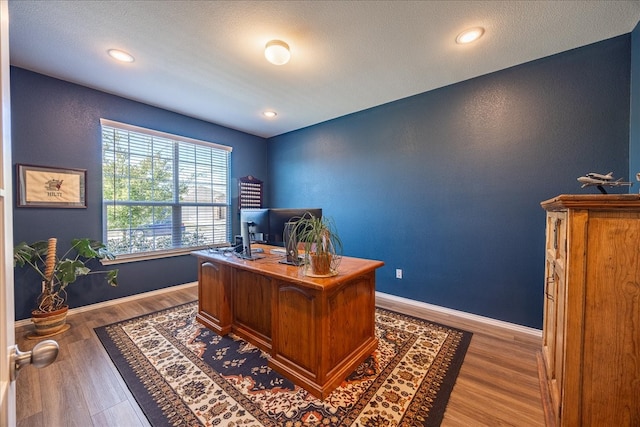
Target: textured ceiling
x=205 y=58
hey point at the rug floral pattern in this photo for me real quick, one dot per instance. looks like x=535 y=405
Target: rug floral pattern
x=183 y=374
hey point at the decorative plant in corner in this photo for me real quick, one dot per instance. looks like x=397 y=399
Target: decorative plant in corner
x=57 y=274
x=322 y=244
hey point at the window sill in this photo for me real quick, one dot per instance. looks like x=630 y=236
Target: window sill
x=146 y=256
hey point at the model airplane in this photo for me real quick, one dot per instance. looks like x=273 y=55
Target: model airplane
x=600 y=181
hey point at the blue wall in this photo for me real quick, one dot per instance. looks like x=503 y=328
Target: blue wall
x=447 y=184
x=56 y=123
x=634 y=122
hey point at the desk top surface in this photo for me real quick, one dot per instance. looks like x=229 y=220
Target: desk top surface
x=270 y=265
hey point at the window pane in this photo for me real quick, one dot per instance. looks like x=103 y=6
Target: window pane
x=162 y=193
x=206 y=224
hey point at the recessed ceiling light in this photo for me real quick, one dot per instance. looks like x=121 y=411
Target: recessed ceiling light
x=270 y=114
x=470 y=35
x=277 y=52
x=120 y=55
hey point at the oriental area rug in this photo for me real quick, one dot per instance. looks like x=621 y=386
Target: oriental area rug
x=183 y=374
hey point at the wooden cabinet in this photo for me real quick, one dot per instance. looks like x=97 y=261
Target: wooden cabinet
x=590 y=364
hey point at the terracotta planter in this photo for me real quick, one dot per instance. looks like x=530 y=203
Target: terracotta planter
x=50 y=323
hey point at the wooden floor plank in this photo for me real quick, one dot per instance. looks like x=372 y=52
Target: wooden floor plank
x=63 y=403
x=99 y=385
x=497 y=385
x=122 y=414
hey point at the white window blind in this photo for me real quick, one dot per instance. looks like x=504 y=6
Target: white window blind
x=162 y=192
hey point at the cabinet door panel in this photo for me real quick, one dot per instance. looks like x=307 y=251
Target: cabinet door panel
x=556 y=242
x=554 y=306
x=611 y=369
x=252 y=304
x=553 y=332
x=297 y=326
x=352 y=319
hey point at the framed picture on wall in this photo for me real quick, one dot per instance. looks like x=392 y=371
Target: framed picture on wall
x=48 y=187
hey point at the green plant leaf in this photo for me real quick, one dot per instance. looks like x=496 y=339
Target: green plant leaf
x=90 y=249
x=68 y=270
x=102 y=250
x=112 y=277
x=23 y=253
x=84 y=248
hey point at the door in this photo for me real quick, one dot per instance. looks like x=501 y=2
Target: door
x=7 y=334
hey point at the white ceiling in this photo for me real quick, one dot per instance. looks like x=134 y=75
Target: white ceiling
x=205 y=58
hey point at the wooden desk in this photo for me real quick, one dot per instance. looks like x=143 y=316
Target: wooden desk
x=315 y=330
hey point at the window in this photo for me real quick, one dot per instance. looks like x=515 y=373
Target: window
x=162 y=193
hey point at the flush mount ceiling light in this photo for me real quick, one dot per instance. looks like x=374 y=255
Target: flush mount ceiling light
x=120 y=55
x=270 y=114
x=277 y=52
x=470 y=35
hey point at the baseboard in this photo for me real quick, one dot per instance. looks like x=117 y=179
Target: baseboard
x=25 y=322
x=400 y=301
x=380 y=296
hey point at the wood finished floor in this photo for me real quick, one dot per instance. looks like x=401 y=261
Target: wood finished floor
x=497 y=385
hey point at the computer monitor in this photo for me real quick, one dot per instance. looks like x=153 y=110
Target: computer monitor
x=278 y=217
x=246 y=243
x=258 y=220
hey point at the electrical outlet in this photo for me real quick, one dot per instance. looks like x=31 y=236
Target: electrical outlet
x=398 y=273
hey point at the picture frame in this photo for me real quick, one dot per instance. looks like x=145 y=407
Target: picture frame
x=50 y=187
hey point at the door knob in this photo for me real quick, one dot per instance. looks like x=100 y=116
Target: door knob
x=43 y=354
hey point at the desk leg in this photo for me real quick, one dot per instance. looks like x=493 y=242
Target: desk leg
x=214 y=296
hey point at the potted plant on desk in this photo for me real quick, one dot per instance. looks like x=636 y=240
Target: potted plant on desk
x=322 y=245
x=49 y=317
